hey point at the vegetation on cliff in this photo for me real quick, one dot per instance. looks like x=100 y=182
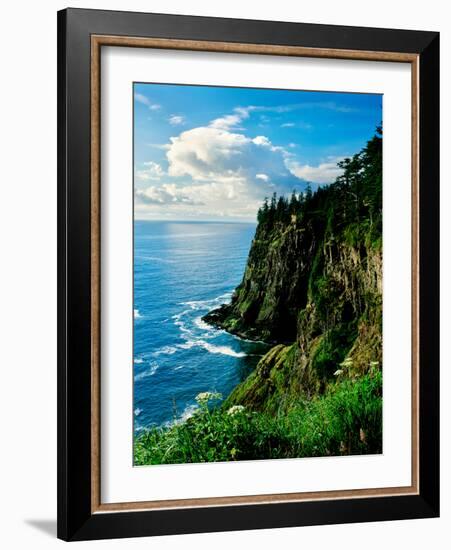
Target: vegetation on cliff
x=312 y=287
x=346 y=419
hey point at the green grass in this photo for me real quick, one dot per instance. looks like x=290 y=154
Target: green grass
x=333 y=348
x=346 y=419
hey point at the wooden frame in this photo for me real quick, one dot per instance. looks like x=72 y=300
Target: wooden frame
x=81 y=515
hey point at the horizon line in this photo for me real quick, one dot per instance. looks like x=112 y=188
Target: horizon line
x=191 y=220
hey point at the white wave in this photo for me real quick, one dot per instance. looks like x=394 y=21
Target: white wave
x=181 y=324
x=224 y=350
x=178 y=316
x=202 y=324
x=136 y=314
x=211 y=348
x=196 y=305
x=190 y=328
x=207 y=304
x=138 y=360
x=188 y=344
x=150 y=372
x=165 y=350
x=189 y=411
x=138 y=411
x=193 y=304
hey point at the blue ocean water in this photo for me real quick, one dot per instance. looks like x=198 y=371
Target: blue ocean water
x=182 y=270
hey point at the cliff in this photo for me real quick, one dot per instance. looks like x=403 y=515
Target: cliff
x=313 y=288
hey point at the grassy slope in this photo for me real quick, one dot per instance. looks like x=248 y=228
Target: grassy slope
x=346 y=419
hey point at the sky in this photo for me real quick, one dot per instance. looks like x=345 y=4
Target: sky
x=205 y=153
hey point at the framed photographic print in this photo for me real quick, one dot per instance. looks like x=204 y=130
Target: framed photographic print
x=248 y=274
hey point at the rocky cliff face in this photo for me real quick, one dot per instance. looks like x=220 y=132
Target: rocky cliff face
x=337 y=327
x=313 y=288
x=338 y=334
x=265 y=305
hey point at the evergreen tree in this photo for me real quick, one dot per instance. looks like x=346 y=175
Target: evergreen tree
x=354 y=197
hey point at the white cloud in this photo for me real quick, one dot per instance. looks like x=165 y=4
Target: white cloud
x=326 y=172
x=209 y=154
x=140 y=98
x=196 y=201
x=206 y=154
x=167 y=193
x=262 y=140
x=162 y=146
x=176 y=120
x=152 y=171
x=219 y=173
x=300 y=124
x=228 y=122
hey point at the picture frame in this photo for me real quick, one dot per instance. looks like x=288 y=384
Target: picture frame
x=81 y=36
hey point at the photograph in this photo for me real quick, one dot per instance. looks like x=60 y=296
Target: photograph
x=257 y=274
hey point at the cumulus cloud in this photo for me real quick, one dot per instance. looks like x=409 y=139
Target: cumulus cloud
x=140 y=98
x=216 y=172
x=326 y=172
x=287 y=125
x=208 y=154
x=151 y=171
x=176 y=120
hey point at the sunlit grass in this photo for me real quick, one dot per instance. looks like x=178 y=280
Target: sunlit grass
x=347 y=419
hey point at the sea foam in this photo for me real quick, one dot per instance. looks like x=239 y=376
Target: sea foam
x=211 y=348
x=224 y=350
x=150 y=372
x=165 y=350
x=189 y=411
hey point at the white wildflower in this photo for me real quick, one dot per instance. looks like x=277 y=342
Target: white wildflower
x=338 y=372
x=235 y=409
x=206 y=396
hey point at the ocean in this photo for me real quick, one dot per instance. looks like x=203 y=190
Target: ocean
x=182 y=270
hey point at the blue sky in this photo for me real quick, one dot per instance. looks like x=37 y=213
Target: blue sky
x=211 y=153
